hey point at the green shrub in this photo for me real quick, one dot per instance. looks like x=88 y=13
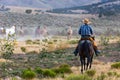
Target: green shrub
x=50 y=42
x=78 y=77
x=43 y=53
x=14 y=78
x=118 y=75
x=59 y=51
x=23 y=49
x=91 y=73
x=28 y=41
x=28 y=74
x=55 y=40
x=45 y=40
x=111 y=73
x=101 y=77
x=32 y=52
x=62 y=70
x=15 y=72
x=116 y=65
x=36 y=42
x=65 y=68
x=56 y=70
x=104 y=40
x=28 y=11
x=7 y=48
x=118 y=42
x=73 y=41
x=64 y=65
x=49 y=73
x=39 y=70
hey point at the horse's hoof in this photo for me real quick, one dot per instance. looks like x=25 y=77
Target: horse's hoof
x=81 y=71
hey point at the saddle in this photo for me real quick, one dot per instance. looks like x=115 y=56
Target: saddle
x=88 y=39
x=83 y=41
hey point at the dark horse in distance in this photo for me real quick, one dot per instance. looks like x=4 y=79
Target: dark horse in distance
x=86 y=53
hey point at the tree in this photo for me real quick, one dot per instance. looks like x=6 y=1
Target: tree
x=28 y=11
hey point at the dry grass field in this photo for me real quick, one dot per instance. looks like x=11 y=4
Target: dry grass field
x=31 y=58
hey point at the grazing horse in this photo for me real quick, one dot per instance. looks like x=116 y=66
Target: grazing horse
x=86 y=51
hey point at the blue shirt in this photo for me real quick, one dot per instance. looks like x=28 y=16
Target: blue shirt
x=85 y=30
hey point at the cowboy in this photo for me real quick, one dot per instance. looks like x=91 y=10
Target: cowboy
x=86 y=32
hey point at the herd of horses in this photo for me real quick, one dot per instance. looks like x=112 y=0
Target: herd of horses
x=41 y=32
x=38 y=32
x=21 y=32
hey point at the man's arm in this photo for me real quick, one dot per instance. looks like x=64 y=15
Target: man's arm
x=79 y=32
x=91 y=31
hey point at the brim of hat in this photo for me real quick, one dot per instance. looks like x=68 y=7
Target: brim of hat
x=87 y=22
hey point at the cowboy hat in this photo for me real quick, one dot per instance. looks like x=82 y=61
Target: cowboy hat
x=86 y=21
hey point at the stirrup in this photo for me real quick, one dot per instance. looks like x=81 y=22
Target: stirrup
x=75 y=53
x=97 y=51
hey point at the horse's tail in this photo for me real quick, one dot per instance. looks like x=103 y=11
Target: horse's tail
x=86 y=47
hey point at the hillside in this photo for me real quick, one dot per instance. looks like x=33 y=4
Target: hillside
x=110 y=7
x=47 y=3
x=58 y=22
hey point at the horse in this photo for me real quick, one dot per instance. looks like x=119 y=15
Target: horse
x=44 y=32
x=10 y=31
x=86 y=51
x=37 y=32
x=2 y=31
x=21 y=31
x=69 y=33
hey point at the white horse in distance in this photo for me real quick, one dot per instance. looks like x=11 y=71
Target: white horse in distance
x=2 y=31
x=69 y=33
x=10 y=32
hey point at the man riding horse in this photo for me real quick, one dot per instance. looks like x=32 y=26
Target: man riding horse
x=86 y=33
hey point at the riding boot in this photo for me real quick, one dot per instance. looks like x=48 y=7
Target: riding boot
x=76 y=51
x=96 y=50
